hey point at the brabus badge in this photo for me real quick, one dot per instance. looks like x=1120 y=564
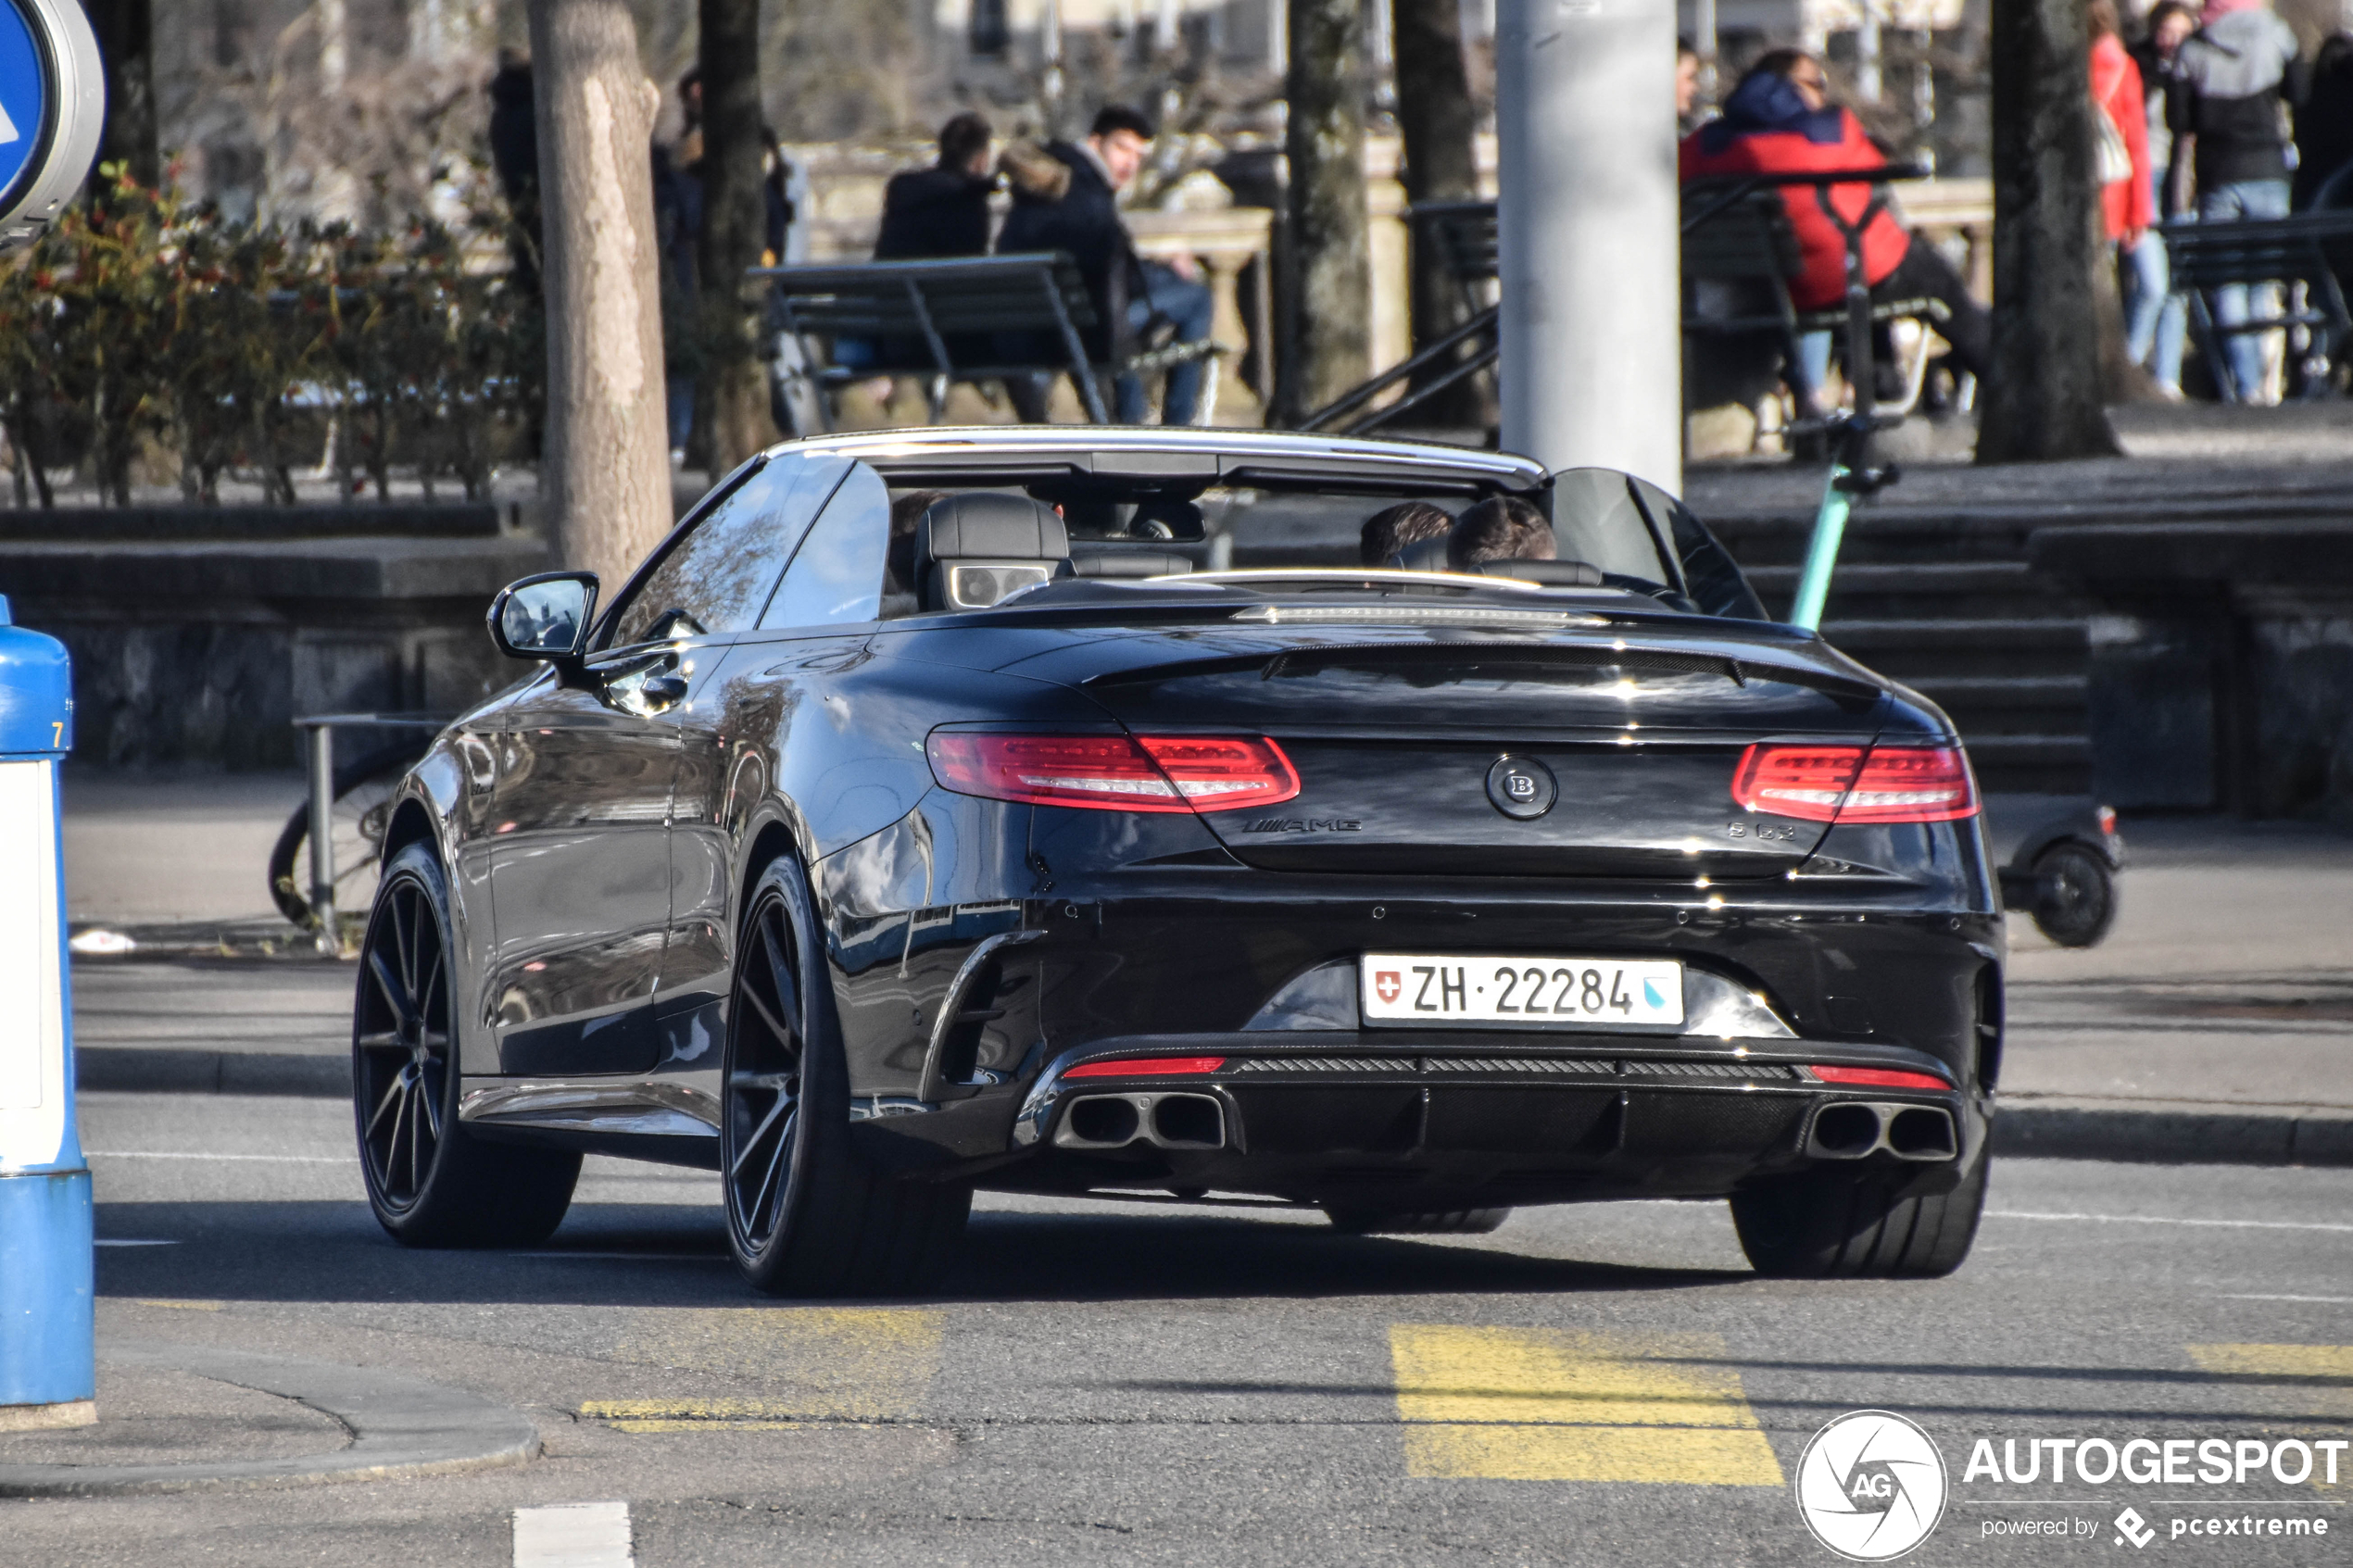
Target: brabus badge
x=1521 y=787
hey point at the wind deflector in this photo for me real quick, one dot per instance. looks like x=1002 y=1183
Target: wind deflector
x=1632 y=527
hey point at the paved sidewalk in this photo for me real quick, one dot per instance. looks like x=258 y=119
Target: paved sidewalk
x=2215 y=1022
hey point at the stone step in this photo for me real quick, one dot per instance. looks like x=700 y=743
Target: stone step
x=1881 y=531
x=1991 y=647
x=1975 y=590
x=2038 y=764
x=2007 y=705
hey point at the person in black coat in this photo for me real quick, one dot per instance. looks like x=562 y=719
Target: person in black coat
x=1127 y=293
x=943 y=210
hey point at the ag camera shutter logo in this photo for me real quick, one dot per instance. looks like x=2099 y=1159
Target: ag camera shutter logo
x=1871 y=1485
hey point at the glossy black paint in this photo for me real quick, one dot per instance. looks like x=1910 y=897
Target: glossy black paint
x=601 y=831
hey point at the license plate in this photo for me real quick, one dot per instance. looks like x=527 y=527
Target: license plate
x=1451 y=988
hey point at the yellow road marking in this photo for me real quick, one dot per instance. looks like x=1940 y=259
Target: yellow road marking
x=1521 y=1404
x=2328 y=1397
x=839 y=1363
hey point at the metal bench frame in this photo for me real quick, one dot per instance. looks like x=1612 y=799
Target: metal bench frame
x=944 y=306
x=2307 y=248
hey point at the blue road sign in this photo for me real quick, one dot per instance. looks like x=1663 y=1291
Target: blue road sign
x=26 y=95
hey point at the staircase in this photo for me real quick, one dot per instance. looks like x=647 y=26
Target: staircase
x=1943 y=599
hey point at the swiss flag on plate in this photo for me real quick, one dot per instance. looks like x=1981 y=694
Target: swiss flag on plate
x=1388 y=984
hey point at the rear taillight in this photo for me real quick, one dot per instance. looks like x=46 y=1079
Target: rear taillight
x=1854 y=783
x=1877 y=1078
x=1148 y=1067
x=1117 y=772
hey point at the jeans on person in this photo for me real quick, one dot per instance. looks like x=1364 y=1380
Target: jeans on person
x=2231 y=302
x=1923 y=274
x=1190 y=307
x=2155 y=317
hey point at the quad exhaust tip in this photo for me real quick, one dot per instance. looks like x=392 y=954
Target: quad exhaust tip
x=1164 y=1120
x=1854 y=1130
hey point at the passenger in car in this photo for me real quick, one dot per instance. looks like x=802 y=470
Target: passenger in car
x=1500 y=528
x=898 y=563
x=1389 y=531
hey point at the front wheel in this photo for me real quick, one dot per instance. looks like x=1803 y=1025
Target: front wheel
x=806 y=1215
x=429 y=1183
x=1859 y=1224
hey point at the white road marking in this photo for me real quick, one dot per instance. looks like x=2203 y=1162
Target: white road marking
x=198 y=1154
x=2169 y=1220
x=573 y=1534
x=2321 y=1301
x=102 y=1241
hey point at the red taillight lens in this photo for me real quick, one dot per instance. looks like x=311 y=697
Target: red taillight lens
x=1877 y=1078
x=1850 y=784
x=1146 y=1067
x=1795 y=781
x=1114 y=773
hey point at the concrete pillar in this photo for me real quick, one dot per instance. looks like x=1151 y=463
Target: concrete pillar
x=1591 y=320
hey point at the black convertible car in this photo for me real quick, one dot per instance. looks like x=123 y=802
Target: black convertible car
x=939 y=809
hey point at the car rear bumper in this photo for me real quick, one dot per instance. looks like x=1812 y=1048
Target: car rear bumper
x=1429 y=1120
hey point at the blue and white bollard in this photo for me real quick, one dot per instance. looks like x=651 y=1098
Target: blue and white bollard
x=48 y=1370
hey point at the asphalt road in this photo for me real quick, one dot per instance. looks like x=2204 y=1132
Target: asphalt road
x=1138 y=1383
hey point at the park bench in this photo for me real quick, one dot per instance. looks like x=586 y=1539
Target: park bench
x=977 y=318
x=1735 y=232
x=2309 y=248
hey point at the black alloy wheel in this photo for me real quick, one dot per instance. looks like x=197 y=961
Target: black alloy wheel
x=2075 y=895
x=429 y=1182
x=806 y=1215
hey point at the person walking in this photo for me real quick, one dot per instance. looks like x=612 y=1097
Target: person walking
x=1130 y=296
x=2156 y=318
x=2230 y=80
x=1779 y=120
x=2128 y=199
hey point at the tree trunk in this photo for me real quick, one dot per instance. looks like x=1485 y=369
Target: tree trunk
x=2042 y=400
x=1438 y=124
x=735 y=224
x=604 y=472
x=126 y=43
x=1326 y=147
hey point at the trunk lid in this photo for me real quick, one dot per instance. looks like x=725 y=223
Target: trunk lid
x=1426 y=756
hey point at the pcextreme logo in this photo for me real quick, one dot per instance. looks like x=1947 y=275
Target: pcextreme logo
x=1871 y=1485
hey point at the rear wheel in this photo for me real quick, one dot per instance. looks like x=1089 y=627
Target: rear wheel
x=2075 y=895
x=429 y=1183
x=1402 y=1222
x=1856 y=1224
x=806 y=1216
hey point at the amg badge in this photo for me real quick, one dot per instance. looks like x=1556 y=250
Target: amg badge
x=1305 y=824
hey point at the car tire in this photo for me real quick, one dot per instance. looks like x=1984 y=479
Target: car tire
x=430 y=1183
x=2075 y=895
x=806 y=1215
x=1827 y=1223
x=1402 y=1222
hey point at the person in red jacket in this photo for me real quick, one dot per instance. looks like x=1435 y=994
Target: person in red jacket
x=1779 y=120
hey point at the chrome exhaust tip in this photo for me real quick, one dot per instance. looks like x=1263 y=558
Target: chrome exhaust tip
x=1173 y=1121
x=1857 y=1129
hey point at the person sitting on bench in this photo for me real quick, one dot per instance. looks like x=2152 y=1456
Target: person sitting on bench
x=1779 y=120
x=1134 y=294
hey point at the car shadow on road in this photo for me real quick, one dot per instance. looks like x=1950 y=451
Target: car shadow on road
x=657 y=1255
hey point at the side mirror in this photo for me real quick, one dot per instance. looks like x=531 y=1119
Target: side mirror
x=545 y=617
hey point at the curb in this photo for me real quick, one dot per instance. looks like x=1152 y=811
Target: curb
x=2173 y=1133
x=164 y=1070
x=2146 y=1133
x=400 y=1426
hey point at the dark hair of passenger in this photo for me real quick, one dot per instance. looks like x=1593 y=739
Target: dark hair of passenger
x=1408 y=523
x=961 y=138
x=2163 y=9
x=1778 y=62
x=1119 y=117
x=1685 y=49
x=1500 y=528
x=906 y=511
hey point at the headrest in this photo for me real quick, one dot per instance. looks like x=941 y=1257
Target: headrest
x=1165 y=518
x=991 y=525
x=1428 y=555
x=1551 y=573
x=1130 y=564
